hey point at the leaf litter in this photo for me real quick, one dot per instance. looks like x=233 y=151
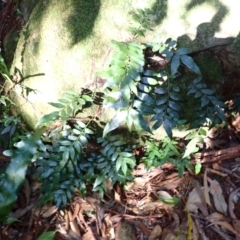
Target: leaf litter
x=157 y=205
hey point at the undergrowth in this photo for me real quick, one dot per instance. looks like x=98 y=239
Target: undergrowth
x=66 y=153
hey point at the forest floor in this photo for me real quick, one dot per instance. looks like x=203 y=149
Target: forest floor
x=157 y=205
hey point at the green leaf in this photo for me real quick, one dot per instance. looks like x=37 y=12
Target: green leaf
x=73 y=93
x=130 y=161
x=146 y=98
x=126 y=154
x=47 y=235
x=115 y=122
x=170 y=200
x=63 y=116
x=144 y=88
x=189 y=63
x=139 y=122
x=204 y=101
x=182 y=51
x=208 y=91
x=172 y=113
x=124 y=168
x=157 y=124
x=168 y=127
x=87 y=98
x=174 y=105
x=89 y=131
x=162 y=100
x=98 y=181
x=63 y=100
x=160 y=90
x=198 y=167
x=56 y=105
x=198 y=94
x=191 y=147
x=119 y=163
x=175 y=64
x=48 y=118
x=16 y=171
x=175 y=96
x=66 y=143
x=149 y=80
x=176 y=89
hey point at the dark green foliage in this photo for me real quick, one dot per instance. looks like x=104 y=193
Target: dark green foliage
x=208 y=105
x=64 y=165
x=158 y=153
x=14 y=176
x=71 y=103
x=59 y=164
x=137 y=90
x=141 y=22
x=145 y=86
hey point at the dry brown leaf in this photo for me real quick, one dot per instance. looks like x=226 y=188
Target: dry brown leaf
x=117 y=196
x=152 y=206
x=193 y=201
x=224 y=225
x=76 y=211
x=116 y=218
x=213 y=217
x=216 y=191
x=50 y=212
x=203 y=205
x=99 y=217
x=82 y=222
x=109 y=224
x=231 y=204
x=156 y=232
x=163 y=194
x=73 y=224
x=236 y=224
x=200 y=229
x=20 y=212
x=206 y=189
x=88 y=235
x=216 y=171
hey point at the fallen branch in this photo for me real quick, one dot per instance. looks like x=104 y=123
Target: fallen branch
x=218 y=155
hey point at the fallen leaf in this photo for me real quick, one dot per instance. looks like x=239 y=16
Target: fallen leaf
x=231 y=204
x=50 y=212
x=76 y=211
x=156 y=232
x=216 y=191
x=213 y=217
x=73 y=224
x=193 y=201
x=88 y=235
x=225 y=225
x=236 y=224
x=206 y=189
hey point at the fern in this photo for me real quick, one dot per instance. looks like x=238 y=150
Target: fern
x=209 y=107
x=141 y=21
x=71 y=103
